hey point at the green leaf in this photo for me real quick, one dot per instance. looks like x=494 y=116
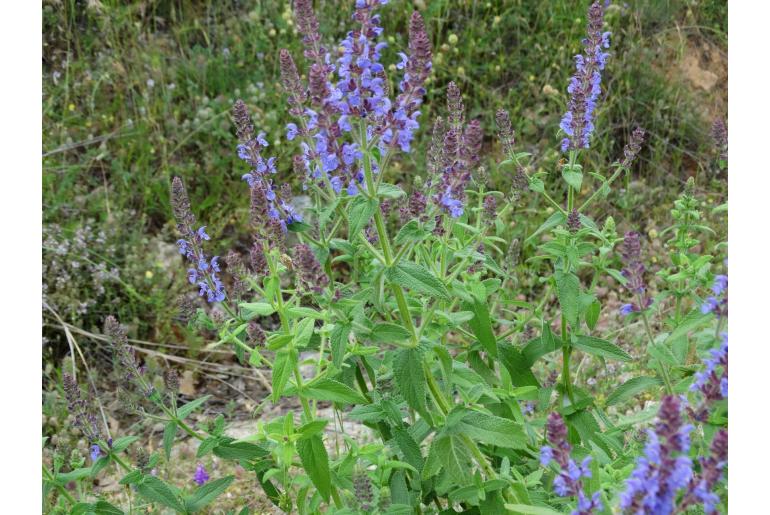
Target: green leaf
x=298 y=226
x=207 y=445
x=662 y=353
x=73 y=475
x=493 y=430
x=518 y=367
x=361 y=211
x=555 y=219
x=313 y=427
x=390 y=191
x=573 y=175
x=389 y=333
x=339 y=342
x=283 y=367
x=132 y=477
x=331 y=390
x=191 y=406
x=410 y=231
x=599 y=347
x=527 y=509
x=409 y=448
x=154 y=490
x=315 y=461
x=168 y=438
x=592 y=314
x=693 y=320
x=481 y=325
x=207 y=493
x=122 y=443
x=631 y=388
x=454 y=459
x=254 y=309
x=410 y=379
x=232 y=450
x=102 y=507
x=538 y=347
x=303 y=332
x=568 y=290
x=418 y=278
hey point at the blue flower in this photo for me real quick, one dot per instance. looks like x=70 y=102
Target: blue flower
x=626 y=309
x=546 y=455
x=96 y=452
x=291 y=131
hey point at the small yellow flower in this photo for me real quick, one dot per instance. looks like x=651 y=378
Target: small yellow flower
x=496 y=20
x=148 y=274
x=71 y=107
x=271 y=33
x=392 y=67
x=461 y=71
x=653 y=234
x=452 y=39
x=497 y=68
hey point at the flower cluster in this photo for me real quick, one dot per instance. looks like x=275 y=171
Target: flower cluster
x=458 y=155
x=568 y=482
x=271 y=205
x=710 y=382
x=585 y=85
x=125 y=354
x=632 y=148
x=80 y=408
x=665 y=468
x=717 y=303
x=357 y=103
x=701 y=487
x=719 y=133
x=309 y=272
x=204 y=272
x=631 y=254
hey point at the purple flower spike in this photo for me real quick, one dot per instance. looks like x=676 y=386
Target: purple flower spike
x=585 y=86
x=569 y=480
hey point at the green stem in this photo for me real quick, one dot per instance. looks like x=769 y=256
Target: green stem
x=59 y=487
x=566 y=353
x=648 y=329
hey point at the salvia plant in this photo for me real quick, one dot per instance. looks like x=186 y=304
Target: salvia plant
x=397 y=307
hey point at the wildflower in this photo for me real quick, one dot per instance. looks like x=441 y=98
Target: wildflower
x=665 y=468
x=80 y=409
x=701 y=487
x=631 y=254
x=585 y=85
x=504 y=131
x=632 y=148
x=255 y=333
x=459 y=155
x=573 y=221
x=717 y=303
x=200 y=476
x=309 y=272
x=171 y=380
x=569 y=480
x=96 y=452
x=719 y=133
x=707 y=381
x=362 y=487
x=204 y=272
x=490 y=208
x=124 y=352
x=626 y=309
